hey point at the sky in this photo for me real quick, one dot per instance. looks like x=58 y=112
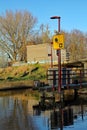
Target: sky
x=73 y=13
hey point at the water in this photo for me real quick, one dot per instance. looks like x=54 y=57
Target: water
x=17 y=113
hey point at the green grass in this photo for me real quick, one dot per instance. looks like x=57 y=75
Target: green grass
x=28 y=72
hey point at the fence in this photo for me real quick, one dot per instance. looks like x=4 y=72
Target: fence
x=68 y=76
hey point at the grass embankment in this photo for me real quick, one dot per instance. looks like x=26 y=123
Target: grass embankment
x=23 y=74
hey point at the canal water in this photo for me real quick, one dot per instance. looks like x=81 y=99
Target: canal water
x=17 y=113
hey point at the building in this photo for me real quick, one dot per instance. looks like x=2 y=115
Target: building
x=43 y=53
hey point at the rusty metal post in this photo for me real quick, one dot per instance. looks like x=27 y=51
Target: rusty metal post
x=59 y=56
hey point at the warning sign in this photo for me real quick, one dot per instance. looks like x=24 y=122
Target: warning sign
x=58 y=41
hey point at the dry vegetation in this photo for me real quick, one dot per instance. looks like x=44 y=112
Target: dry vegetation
x=20 y=76
x=27 y=72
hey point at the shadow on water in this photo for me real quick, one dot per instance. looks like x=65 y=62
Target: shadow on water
x=18 y=112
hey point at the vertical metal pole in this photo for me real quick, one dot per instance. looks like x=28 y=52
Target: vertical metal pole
x=59 y=24
x=59 y=55
x=59 y=61
x=52 y=65
x=59 y=70
x=80 y=79
x=51 y=56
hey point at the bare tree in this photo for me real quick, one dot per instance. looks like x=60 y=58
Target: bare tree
x=42 y=35
x=75 y=44
x=15 y=32
x=45 y=33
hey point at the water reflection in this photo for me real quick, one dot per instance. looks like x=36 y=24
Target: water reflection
x=63 y=117
x=14 y=113
x=17 y=113
x=66 y=115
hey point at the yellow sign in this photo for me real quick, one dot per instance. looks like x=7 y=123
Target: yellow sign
x=58 y=41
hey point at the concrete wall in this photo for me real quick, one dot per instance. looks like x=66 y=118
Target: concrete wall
x=39 y=53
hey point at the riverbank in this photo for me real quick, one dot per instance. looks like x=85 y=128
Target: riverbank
x=21 y=76
x=24 y=72
x=8 y=85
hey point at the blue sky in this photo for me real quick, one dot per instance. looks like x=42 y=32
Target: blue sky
x=73 y=13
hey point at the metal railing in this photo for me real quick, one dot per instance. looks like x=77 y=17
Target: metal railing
x=68 y=76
